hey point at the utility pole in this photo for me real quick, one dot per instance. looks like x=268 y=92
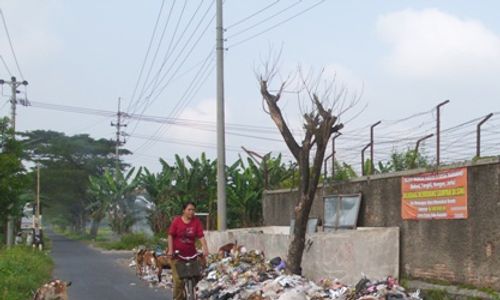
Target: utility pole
x=14 y=84
x=38 y=221
x=119 y=125
x=221 y=143
x=438 y=131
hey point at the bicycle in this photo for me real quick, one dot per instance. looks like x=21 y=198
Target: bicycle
x=189 y=270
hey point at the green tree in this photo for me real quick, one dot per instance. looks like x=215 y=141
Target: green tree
x=66 y=164
x=189 y=179
x=246 y=184
x=13 y=180
x=401 y=161
x=159 y=189
x=344 y=171
x=113 y=194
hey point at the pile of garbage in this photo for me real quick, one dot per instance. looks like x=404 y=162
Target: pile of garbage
x=243 y=274
x=248 y=275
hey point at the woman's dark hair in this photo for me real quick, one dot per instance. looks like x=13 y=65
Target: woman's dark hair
x=186 y=204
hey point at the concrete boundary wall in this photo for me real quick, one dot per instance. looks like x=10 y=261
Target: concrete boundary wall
x=457 y=251
x=343 y=254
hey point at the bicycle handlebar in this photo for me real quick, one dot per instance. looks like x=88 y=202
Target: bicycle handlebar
x=198 y=254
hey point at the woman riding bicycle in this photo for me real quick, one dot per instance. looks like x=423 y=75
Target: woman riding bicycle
x=182 y=236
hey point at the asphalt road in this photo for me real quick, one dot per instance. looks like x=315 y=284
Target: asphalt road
x=97 y=276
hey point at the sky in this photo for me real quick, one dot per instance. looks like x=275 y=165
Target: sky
x=400 y=58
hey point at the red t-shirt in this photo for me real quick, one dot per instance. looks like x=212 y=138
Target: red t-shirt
x=184 y=235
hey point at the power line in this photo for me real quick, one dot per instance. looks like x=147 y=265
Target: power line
x=157 y=119
x=187 y=55
x=195 y=77
x=151 y=101
x=182 y=142
x=276 y=25
x=252 y=15
x=6 y=66
x=197 y=144
x=72 y=109
x=179 y=107
x=189 y=70
x=10 y=43
x=146 y=56
x=385 y=148
x=162 y=35
x=265 y=20
x=183 y=99
x=145 y=81
x=169 y=53
x=204 y=126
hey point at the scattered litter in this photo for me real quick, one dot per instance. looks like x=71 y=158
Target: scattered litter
x=246 y=274
x=132 y=283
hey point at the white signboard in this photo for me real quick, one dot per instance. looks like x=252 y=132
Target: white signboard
x=27 y=222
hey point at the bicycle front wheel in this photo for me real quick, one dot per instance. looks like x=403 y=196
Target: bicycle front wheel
x=189 y=289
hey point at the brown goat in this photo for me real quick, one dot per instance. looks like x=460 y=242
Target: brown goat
x=139 y=261
x=162 y=262
x=53 y=290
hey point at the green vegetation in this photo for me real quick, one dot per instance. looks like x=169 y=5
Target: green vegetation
x=104 y=235
x=130 y=241
x=66 y=164
x=107 y=241
x=81 y=185
x=440 y=293
x=13 y=179
x=436 y=294
x=23 y=272
x=398 y=161
x=191 y=179
x=113 y=195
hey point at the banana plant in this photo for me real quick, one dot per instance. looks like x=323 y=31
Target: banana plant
x=112 y=195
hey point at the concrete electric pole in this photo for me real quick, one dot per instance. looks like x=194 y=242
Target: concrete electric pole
x=14 y=84
x=221 y=146
x=119 y=125
x=38 y=221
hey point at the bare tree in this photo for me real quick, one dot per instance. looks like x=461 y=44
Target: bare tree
x=319 y=124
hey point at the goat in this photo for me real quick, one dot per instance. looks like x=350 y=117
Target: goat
x=139 y=261
x=53 y=290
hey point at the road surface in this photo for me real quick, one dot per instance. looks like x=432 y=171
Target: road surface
x=96 y=275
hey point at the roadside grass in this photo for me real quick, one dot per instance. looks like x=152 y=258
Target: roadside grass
x=436 y=294
x=108 y=241
x=133 y=240
x=440 y=293
x=23 y=270
x=103 y=235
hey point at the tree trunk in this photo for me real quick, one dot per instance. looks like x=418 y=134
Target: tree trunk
x=94 y=227
x=296 y=248
x=319 y=124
